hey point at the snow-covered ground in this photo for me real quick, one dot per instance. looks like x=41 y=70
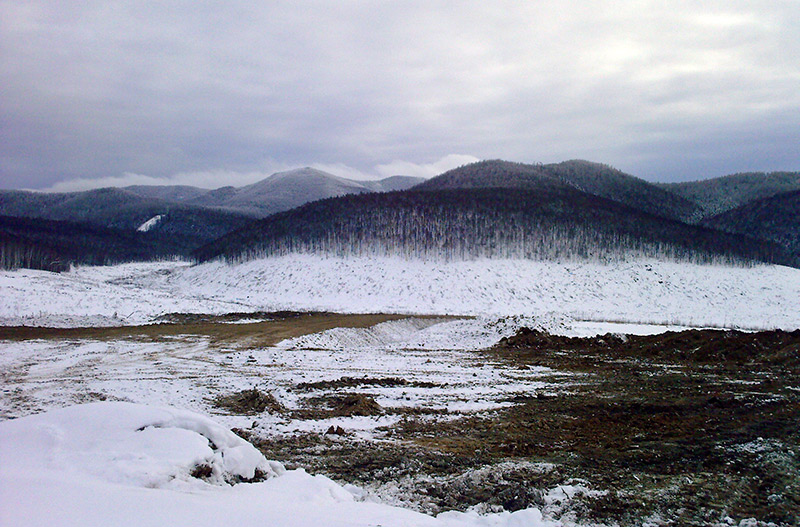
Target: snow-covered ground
x=95 y=296
x=128 y=460
x=190 y=371
x=648 y=292
x=135 y=448
x=644 y=291
x=120 y=464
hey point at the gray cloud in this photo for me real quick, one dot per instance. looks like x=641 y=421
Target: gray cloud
x=665 y=90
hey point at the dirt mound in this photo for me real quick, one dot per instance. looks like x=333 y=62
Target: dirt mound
x=355 y=404
x=356 y=382
x=353 y=382
x=249 y=402
x=779 y=348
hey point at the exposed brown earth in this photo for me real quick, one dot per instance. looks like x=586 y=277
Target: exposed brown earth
x=699 y=427
x=249 y=402
x=275 y=327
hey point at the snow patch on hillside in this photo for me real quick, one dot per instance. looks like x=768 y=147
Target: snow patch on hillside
x=149 y=224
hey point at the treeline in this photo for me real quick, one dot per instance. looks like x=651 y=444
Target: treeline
x=18 y=253
x=551 y=223
x=55 y=245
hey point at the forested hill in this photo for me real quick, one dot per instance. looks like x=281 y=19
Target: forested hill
x=593 y=178
x=776 y=218
x=722 y=194
x=554 y=221
x=53 y=245
x=185 y=227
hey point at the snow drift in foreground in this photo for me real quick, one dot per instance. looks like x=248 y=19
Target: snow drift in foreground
x=650 y=292
x=126 y=464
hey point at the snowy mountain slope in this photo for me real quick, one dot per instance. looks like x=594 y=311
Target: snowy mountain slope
x=174 y=193
x=763 y=296
x=637 y=291
x=392 y=183
x=285 y=190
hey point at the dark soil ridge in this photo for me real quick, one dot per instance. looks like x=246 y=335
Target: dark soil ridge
x=249 y=402
x=700 y=346
x=700 y=427
x=357 y=382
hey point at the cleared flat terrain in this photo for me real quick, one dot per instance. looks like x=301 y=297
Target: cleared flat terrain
x=259 y=328
x=453 y=411
x=426 y=412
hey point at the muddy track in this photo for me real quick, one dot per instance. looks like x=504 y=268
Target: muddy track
x=230 y=328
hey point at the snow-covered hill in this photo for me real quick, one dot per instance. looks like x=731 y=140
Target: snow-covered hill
x=94 y=296
x=639 y=291
x=286 y=190
x=763 y=296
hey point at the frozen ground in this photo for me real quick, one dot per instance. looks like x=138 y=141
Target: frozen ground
x=84 y=458
x=638 y=292
x=124 y=464
x=81 y=460
x=191 y=371
x=68 y=465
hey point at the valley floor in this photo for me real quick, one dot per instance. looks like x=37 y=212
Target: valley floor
x=423 y=412
x=649 y=292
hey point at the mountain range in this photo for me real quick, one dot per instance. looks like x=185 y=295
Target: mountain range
x=573 y=209
x=279 y=192
x=178 y=219
x=502 y=209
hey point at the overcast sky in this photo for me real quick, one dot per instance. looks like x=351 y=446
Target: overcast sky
x=95 y=93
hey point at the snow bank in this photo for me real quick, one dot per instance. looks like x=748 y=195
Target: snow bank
x=763 y=296
x=124 y=464
x=94 y=296
x=648 y=292
x=130 y=444
x=426 y=334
